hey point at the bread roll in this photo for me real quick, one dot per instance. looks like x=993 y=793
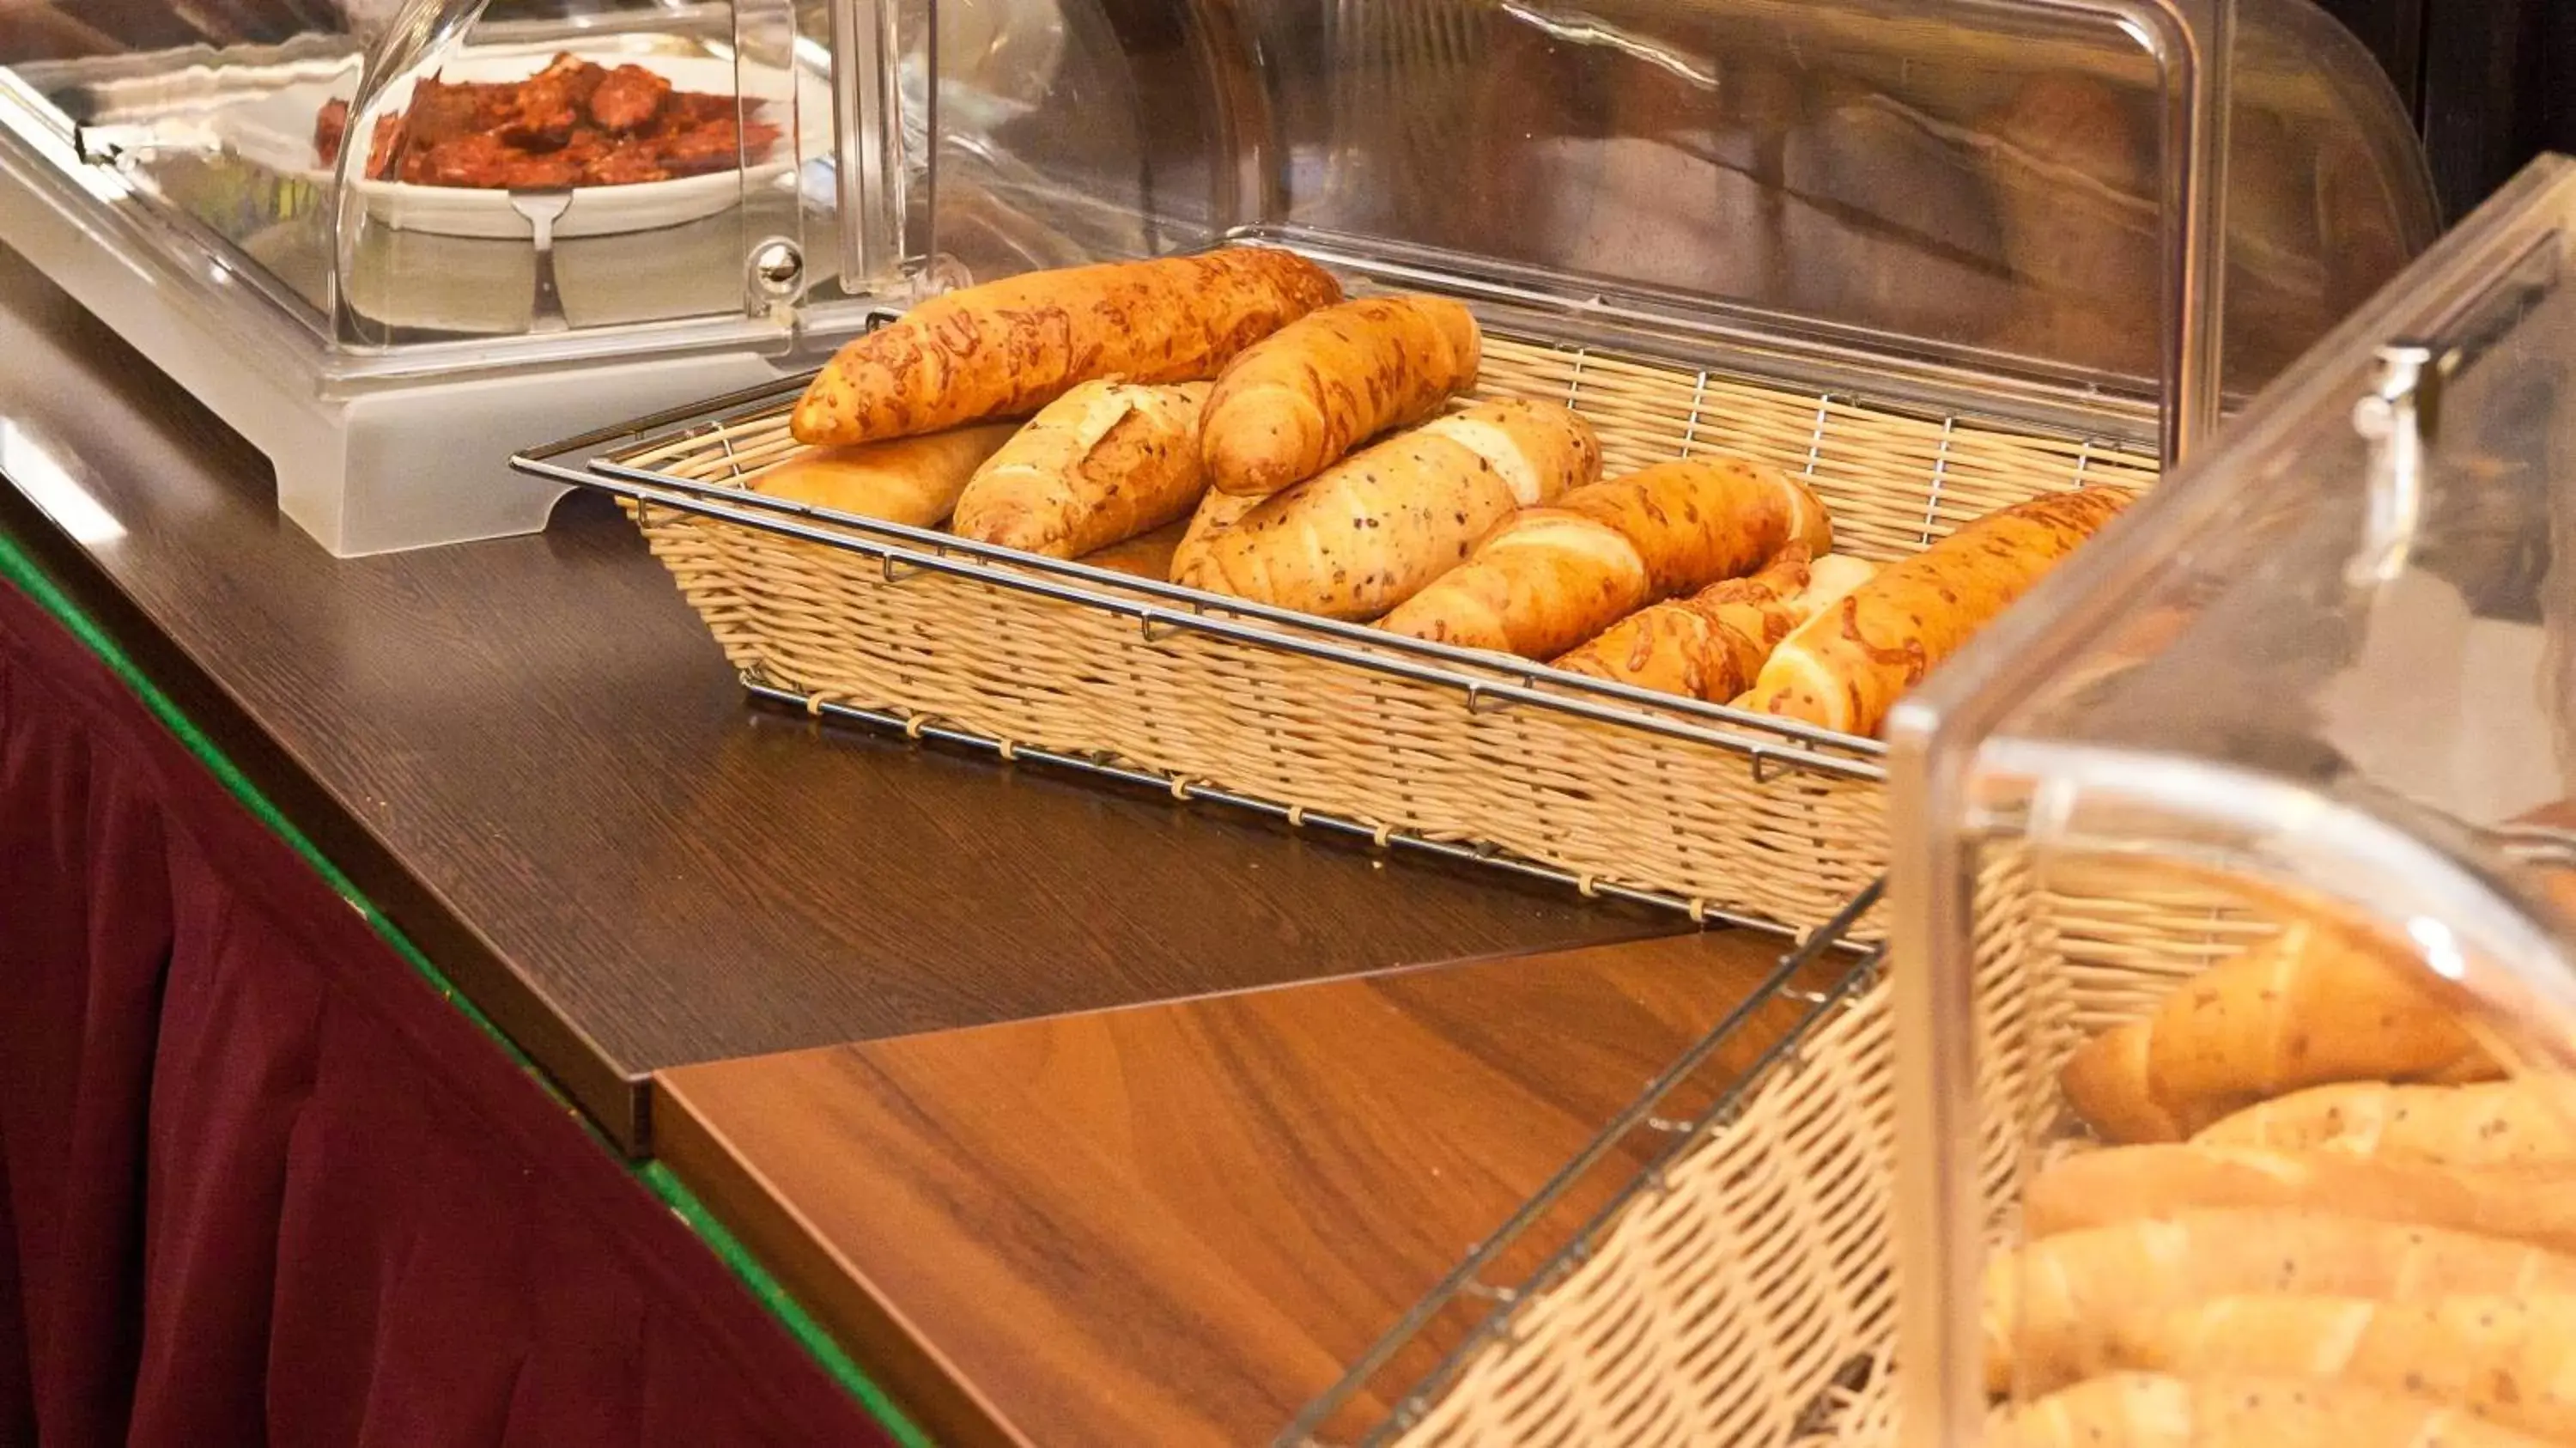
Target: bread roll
x=914 y=481
x=2525 y=1123
x=1845 y=668
x=1147 y=555
x=2511 y=1359
x=2096 y=1188
x=1710 y=645
x=1553 y=577
x=1370 y=531
x=2067 y=1306
x=2312 y=1005
x=2147 y=1410
x=1299 y=399
x=1106 y=461
x=1215 y=513
x=1008 y=348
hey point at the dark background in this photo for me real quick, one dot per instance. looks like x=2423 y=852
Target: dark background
x=2489 y=82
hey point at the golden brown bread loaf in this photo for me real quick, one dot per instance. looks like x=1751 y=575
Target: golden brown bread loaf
x=1553 y=577
x=2527 y=1123
x=1106 y=461
x=1008 y=348
x=1301 y=398
x=1368 y=532
x=1710 y=645
x=914 y=481
x=1215 y=513
x=2312 y=1005
x=2510 y=1359
x=2065 y=1307
x=2096 y=1188
x=2148 y=1410
x=1147 y=555
x=1845 y=668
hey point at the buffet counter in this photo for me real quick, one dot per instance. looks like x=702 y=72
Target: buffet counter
x=524 y=762
x=531 y=756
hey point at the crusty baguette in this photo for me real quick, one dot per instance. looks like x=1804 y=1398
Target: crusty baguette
x=1368 y=532
x=2097 y=1188
x=2149 y=1410
x=1008 y=348
x=1147 y=555
x=2313 y=1004
x=1298 y=400
x=2508 y=1359
x=1215 y=513
x=1710 y=645
x=1553 y=577
x=1106 y=461
x=2526 y=1123
x=1848 y=666
x=2108 y=1082
x=914 y=481
x=2065 y=1307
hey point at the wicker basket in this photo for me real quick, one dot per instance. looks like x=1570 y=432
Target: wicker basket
x=1724 y=815
x=1745 y=1291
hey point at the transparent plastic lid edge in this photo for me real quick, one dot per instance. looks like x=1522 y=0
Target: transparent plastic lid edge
x=2259 y=827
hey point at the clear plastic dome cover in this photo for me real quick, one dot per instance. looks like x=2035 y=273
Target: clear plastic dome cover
x=2005 y=186
x=2234 y=923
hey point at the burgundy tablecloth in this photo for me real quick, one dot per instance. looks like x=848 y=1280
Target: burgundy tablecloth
x=258 y=1183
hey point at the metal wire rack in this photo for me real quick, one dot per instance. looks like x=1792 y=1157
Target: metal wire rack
x=1697 y=1077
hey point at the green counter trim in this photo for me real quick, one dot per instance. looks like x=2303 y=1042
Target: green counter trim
x=20 y=570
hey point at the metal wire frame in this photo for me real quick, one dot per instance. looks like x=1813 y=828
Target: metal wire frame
x=1486 y=856
x=1646 y=1113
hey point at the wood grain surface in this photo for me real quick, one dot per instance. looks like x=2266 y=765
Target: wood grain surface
x=1176 y=1224
x=533 y=757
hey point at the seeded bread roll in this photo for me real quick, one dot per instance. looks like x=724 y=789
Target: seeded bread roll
x=2509 y=1359
x=2097 y=1188
x=1370 y=531
x=2525 y=1123
x=2065 y=1307
x=1710 y=645
x=1301 y=398
x=1553 y=577
x=1104 y=462
x=2147 y=1410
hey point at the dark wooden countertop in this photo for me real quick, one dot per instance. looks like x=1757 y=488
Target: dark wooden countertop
x=532 y=757
x=1178 y=1223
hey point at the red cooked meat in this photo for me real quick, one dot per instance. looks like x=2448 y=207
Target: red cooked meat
x=629 y=99
x=482 y=159
x=548 y=106
x=329 y=129
x=577 y=77
x=715 y=146
x=573 y=123
x=535 y=173
x=625 y=166
x=441 y=112
x=385 y=148
x=695 y=108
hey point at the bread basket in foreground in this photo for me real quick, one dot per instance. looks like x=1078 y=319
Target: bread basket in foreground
x=2249 y=780
x=1620 y=791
